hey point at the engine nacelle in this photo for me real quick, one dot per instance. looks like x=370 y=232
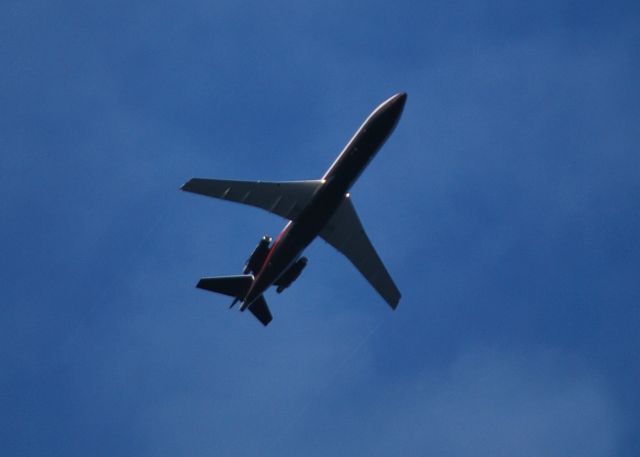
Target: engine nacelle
x=291 y=274
x=259 y=255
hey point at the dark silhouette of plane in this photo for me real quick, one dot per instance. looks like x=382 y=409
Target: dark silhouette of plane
x=314 y=208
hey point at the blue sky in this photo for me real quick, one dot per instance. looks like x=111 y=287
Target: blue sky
x=505 y=205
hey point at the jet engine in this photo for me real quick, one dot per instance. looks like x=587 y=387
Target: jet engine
x=291 y=274
x=258 y=256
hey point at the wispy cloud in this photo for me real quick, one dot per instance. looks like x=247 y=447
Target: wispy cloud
x=485 y=403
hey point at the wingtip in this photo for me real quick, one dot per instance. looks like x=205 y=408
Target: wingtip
x=394 y=303
x=192 y=185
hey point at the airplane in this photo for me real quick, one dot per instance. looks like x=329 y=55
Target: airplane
x=321 y=207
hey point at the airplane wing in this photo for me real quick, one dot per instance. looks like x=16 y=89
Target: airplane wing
x=286 y=199
x=344 y=232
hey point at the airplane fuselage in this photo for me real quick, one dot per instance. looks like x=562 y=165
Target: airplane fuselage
x=337 y=181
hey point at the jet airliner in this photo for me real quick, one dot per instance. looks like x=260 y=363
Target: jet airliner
x=321 y=207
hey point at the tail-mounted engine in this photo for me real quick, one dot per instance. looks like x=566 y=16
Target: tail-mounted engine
x=291 y=274
x=258 y=257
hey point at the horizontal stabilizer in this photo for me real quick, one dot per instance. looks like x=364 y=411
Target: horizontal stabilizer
x=260 y=309
x=234 y=286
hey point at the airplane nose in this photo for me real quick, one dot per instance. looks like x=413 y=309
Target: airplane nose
x=395 y=105
x=400 y=99
x=386 y=115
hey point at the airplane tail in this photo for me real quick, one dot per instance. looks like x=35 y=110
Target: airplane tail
x=234 y=286
x=237 y=287
x=260 y=310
